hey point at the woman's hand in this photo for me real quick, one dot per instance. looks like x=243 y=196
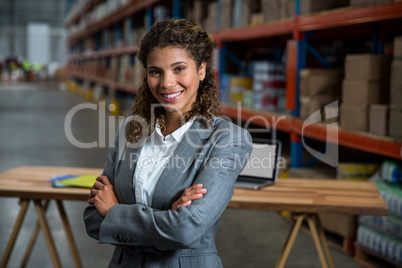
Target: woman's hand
x=191 y=193
x=102 y=195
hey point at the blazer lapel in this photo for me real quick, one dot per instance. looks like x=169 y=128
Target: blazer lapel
x=179 y=162
x=125 y=173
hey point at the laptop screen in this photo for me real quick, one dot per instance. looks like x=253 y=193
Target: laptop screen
x=262 y=161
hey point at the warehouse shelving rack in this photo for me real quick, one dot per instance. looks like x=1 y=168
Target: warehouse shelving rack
x=298 y=28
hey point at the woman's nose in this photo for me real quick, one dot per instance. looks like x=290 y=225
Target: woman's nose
x=168 y=81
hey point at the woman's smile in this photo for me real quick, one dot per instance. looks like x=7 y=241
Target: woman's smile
x=170 y=97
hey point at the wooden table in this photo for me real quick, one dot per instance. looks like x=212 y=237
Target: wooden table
x=32 y=183
x=308 y=197
x=304 y=197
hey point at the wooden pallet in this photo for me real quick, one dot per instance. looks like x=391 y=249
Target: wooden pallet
x=371 y=259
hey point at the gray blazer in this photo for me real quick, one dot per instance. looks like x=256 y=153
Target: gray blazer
x=157 y=236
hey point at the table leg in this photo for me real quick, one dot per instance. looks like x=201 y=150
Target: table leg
x=46 y=232
x=69 y=234
x=289 y=241
x=324 y=242
x=33 y=238
x=24 y=206
x=314 y=233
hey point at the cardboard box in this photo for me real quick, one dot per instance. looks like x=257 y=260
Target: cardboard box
x=369 y=2
x=318 y=81
x=378 y=119
x=398 y=47
x=270 y=10
x=365 y=92
x=226 y=15
x=311 y=104
x=312 y=6
x=340 y=224
x=354 y=117
x=286 y=9
x=367 y=66
x=396 y=85
x=395 y=125
x=200 y=10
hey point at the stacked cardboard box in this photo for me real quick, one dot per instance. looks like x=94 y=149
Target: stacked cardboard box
x=369 y=2
x=270 y=10
x=379 y=119
x=200 y=10
x=210 y=22
x=313 y=6
x=395 y=125
x=226 y=14
x=318 y=87
x=366 y=83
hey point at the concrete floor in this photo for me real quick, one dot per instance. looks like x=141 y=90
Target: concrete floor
x=32 y=133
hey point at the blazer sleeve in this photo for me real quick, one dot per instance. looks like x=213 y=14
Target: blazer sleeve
x=92 y=218
x=166 y=229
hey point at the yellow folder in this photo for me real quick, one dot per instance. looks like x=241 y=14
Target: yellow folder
x=86 y=181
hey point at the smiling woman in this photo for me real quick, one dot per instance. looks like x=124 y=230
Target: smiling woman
x=161 y=193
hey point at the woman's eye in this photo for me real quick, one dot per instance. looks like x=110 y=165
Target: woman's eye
x=153 y=72
x=180 y=69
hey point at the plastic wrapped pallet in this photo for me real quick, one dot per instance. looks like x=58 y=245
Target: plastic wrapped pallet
x=391 y=171
x=392 y=194
x=390 y=224
x=385 y=245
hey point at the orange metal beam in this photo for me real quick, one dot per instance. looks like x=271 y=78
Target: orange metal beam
x=356 y=140
x=105 y=82
x=360 y=141
x=105 y=53
x=263 y=119
x=350 y=16
x=255 y=32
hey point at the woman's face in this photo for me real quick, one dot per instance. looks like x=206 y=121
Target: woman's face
x=173 y=78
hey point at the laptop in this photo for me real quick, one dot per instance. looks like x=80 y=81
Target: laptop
x=262 y=167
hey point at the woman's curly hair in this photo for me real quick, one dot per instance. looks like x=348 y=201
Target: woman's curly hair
x=199 y=45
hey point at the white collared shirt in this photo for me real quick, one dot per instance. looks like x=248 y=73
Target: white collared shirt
x=154 y=155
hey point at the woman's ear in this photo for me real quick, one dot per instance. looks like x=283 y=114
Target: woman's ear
x=202 y=70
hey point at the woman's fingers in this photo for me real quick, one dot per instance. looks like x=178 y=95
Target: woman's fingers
x=195 y=189
x=103 y=179
x=189 y=194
